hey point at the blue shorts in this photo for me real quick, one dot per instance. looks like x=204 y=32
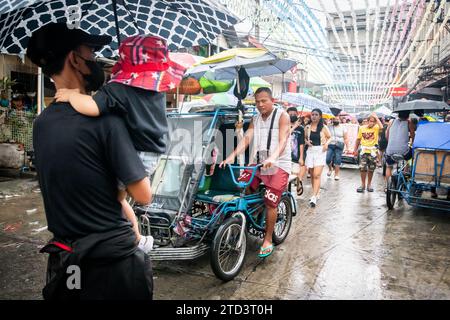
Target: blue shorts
x=334 y=155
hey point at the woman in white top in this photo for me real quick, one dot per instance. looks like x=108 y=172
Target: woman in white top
x=317 y=137
x=338 y=142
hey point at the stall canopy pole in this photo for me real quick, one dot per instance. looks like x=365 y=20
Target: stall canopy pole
x=239 y=125
x=116 y=22
x=177 y=103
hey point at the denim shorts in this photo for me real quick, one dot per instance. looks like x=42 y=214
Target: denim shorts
x=149 y=160
x=334 y=155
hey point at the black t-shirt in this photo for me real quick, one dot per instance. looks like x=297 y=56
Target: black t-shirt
x=78 y=161
x=298 y=138
x=382 y=141
x=144 y=112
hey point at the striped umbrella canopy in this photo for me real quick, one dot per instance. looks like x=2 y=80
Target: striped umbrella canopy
x=183 y=23
x=257 y=62
x=223 y=98
x=307 y=101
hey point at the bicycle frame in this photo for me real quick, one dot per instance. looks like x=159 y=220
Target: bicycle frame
x=401 y=180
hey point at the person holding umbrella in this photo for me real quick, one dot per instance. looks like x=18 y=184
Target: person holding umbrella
x=297 y=148
x=136 y=91
x=78 y=161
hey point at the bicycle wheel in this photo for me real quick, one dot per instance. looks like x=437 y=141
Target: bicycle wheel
x=284 y=221
x=391 y=192
x=227 y=258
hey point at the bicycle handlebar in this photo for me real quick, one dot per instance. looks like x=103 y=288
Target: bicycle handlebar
x=242 y=184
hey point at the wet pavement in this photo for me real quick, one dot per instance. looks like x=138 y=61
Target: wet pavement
x=348 y=247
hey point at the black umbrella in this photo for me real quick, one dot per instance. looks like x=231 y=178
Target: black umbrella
x=335 y=111
x=425 y=105
x=183 y=23
x=366 y=114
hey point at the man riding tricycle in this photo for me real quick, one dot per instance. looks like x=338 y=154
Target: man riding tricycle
x=198 y=208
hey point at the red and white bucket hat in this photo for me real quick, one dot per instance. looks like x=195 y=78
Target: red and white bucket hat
x=144 y=63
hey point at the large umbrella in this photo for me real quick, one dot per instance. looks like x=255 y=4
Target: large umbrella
x=223 y=98
x=183 y=23
x=185 y=59
x=366 y=114
x=257 y=62
x=426 y=105
x=258 y=82
x=335 y=111
x=384 y=110
x=308 y=101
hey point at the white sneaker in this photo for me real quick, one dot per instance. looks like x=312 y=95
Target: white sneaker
x=336 y=178
x=312 y=201
x=146 y=243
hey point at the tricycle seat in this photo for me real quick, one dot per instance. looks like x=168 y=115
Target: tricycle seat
x=216 y=196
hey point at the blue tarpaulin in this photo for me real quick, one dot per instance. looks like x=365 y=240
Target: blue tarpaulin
x=433 y=135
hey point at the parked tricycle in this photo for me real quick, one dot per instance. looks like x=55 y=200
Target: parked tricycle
x=199 y=208
x=427 y=182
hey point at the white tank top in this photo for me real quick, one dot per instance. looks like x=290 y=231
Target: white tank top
x=261 y=135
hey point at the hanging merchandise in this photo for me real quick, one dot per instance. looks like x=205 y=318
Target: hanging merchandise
x=243 y=84
x=187 y=86
x=215 y=86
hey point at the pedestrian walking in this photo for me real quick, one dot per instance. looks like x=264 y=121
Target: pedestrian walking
x=368 y=139
x=297 y=148
x=78 y=161
x=134 y=93
x=339 y=140
x=318 y=138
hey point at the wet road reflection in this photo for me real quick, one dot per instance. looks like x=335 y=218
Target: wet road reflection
x=348 y=247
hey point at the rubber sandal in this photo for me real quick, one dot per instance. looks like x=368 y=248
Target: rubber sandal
x=370 y=189
x=299 y=188
x=265 y=252
x=360 y=190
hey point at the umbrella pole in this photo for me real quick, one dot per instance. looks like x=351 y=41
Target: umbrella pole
x=39 y=91
x=282 y=86
x=237 y=82
x=116 y=21
x=177 y=103
x=239 y=125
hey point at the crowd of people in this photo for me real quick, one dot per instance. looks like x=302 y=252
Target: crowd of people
x=18 y=102
x=106 y=147
x=317 y=143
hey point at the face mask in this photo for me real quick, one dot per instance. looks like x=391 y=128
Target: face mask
x=96 y=78
x=294 y=118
